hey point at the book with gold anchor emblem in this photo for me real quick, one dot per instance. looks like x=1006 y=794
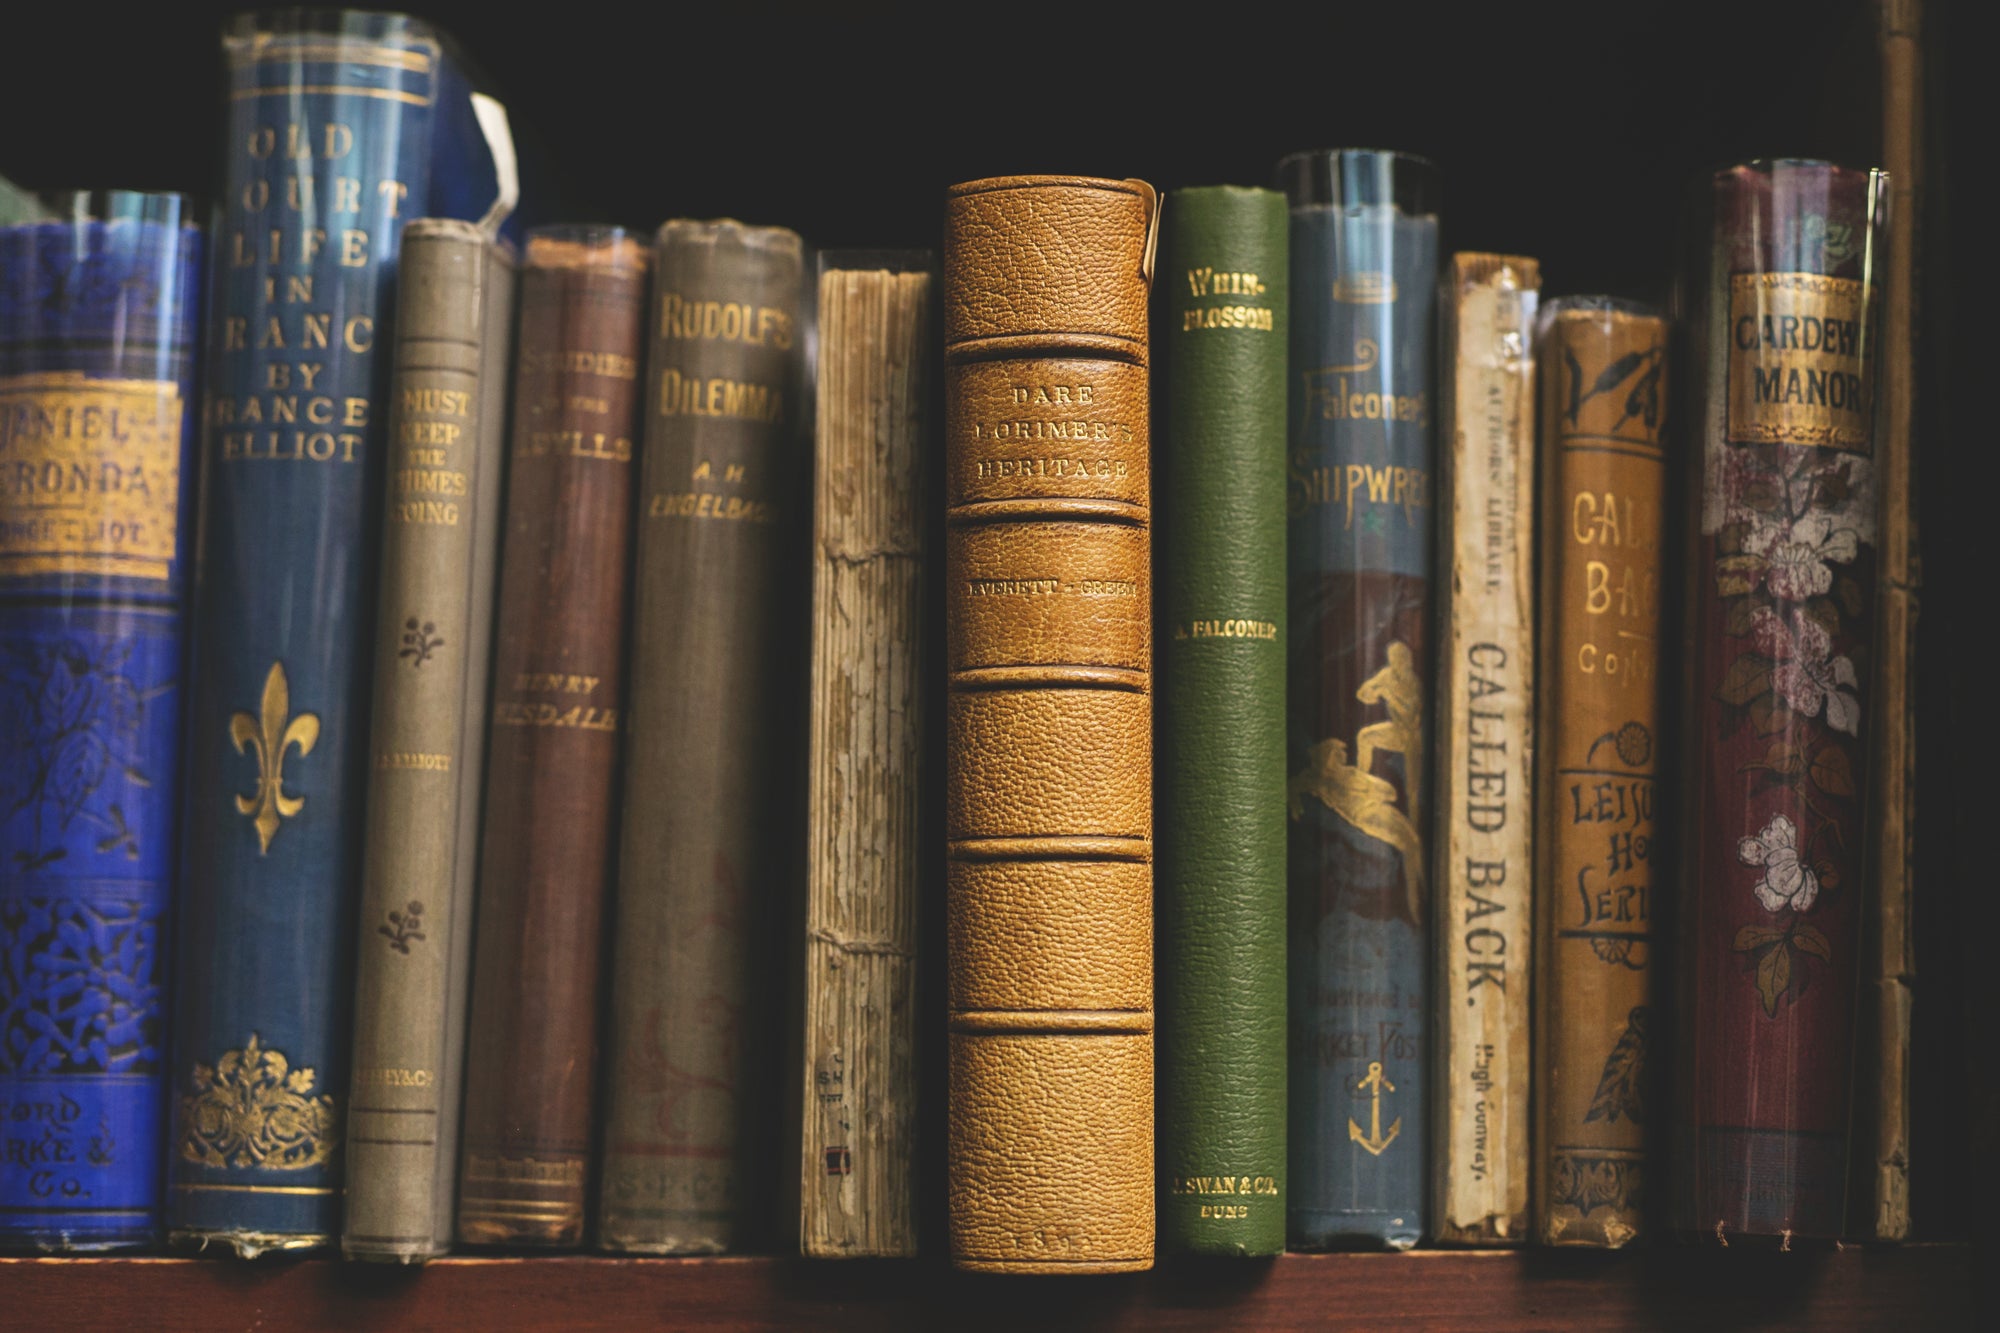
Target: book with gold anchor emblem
x=1360 y=516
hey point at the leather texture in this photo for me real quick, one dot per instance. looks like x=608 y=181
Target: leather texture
x=434 y=623
x=1221 y=733
x=1596 y=992
x=1485 y=805
x=1048 y=804
x=559 y=693
x=716 y=687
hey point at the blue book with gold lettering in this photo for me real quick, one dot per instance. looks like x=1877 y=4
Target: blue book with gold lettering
x=1360 y=511
x=99 y=324
x=341 y=127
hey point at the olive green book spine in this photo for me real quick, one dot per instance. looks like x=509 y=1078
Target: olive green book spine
x=1219 y=547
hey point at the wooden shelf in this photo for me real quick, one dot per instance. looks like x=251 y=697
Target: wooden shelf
x=1921 y=1286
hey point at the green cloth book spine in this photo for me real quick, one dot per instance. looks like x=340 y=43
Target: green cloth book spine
x=1220 y=556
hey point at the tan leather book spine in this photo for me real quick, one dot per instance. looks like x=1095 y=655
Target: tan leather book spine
x=704 y=880
x=1603 y=371
x=1048 y=716
x=864 y=764
x=1483 y=858
x=555 y=727
x=1891 y=961
x=440 y=524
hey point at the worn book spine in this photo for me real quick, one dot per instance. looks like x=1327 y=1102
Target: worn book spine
x=1220 y=550
x=865 y=758
x=335 y=119
x=1890 y=963
x=440 y=517
x=688 y=1165
x=1048 y=725
x=552 y=754
x=1360 y=510
x=1782 y=617
x=99 y=321
x=1603 y=365
x=1486 y=751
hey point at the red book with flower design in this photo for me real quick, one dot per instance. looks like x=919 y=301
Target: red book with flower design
x=1781 y=610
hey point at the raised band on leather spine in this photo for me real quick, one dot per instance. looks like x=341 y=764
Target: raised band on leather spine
x=1010 y=346
x=1049 y=678
x=1051 y=849
x=1048 y=808
x=1040 y=1022
x=1044 y=510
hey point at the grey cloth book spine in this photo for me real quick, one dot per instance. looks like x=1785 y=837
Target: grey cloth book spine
x=712 y=802
x=441 y=523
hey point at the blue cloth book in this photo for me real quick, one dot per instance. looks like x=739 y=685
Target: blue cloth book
x=341 y=127
x=1360 y=519
x=99 y=323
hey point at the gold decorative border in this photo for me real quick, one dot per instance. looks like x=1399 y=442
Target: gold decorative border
x=256 y=1189
x=380 y=94
x=268 y=48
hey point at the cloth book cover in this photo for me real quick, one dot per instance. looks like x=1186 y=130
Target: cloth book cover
x=1599 y=909
x=1780 y=634
x=552 y=753
x=711 y=810
x=99 y=326
x=1360 y=525
x=341 y=126
x=433 y=645
x=1219 y=552
x=1486 y=751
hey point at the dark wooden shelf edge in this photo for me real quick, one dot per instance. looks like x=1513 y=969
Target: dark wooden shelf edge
x=1918 y=1286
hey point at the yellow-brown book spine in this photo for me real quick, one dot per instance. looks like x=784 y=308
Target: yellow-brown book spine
x=1603 y=368
x=1048 y=725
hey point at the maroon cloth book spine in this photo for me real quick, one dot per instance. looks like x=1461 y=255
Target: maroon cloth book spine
x=1781 y=623
x=558 y=714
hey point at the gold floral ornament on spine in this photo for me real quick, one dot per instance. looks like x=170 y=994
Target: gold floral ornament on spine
x=252 y=1111
x=269 y=736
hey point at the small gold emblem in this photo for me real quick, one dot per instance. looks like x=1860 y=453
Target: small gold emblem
x=253 y=1111
x=1374 y=1140
x=270 y=735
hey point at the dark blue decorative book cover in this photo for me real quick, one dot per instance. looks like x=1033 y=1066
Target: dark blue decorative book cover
x=341 y=127
x=1361 y=511
x=99 y=320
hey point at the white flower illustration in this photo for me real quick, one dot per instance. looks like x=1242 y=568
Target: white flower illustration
x=1804 y=672
x=1799 y=554
x=1786 y=883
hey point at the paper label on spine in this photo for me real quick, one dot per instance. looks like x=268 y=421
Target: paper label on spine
x=89 y=475
x=1799 y=365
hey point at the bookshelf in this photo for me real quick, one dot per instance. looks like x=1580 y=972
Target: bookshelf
x=1921 y=1286
x=1570 y=133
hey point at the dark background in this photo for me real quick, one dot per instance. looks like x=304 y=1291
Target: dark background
x=1571 y=132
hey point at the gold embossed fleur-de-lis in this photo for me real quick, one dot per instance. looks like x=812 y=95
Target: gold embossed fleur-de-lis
x=270 y=735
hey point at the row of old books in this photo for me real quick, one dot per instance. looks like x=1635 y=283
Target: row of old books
x=557 y=668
